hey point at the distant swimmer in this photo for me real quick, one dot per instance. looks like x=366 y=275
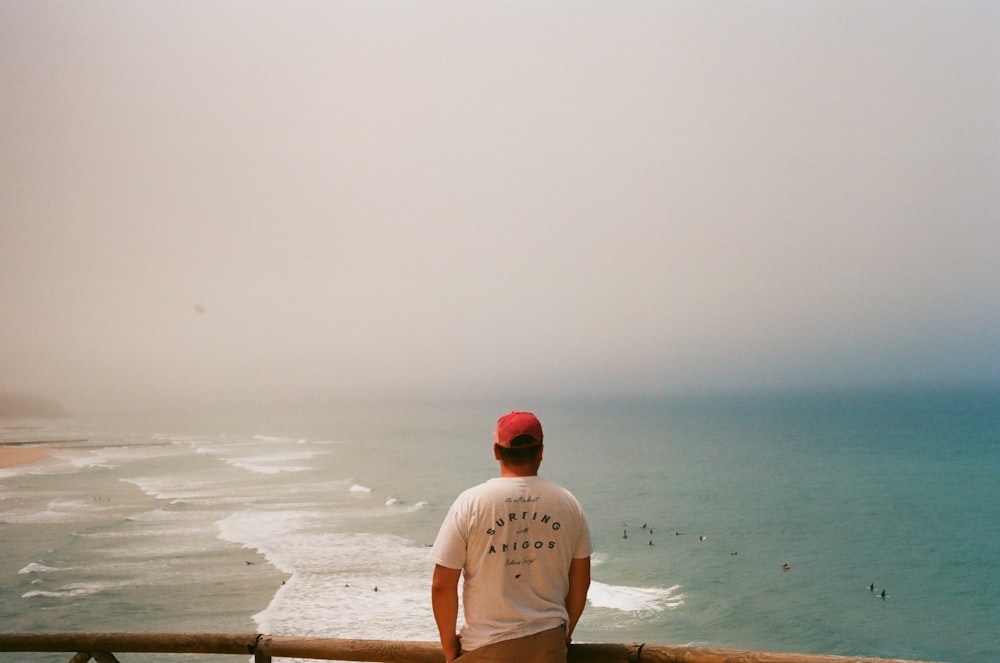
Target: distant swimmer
x=678 y=533
x=644 y=526
x=650 y=542
x=785 y=567
x=650 y=531
x=625 y=534
x=871 y=587
x=734 y=553
x=883 y=593
x=702 y=537
x=376 y=588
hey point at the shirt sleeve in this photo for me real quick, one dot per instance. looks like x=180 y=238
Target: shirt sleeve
x=450 y=545
x=584 y=547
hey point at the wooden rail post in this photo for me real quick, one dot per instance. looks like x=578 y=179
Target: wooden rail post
x=259 y=655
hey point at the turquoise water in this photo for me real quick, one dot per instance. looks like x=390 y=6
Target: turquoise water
x=287 y=524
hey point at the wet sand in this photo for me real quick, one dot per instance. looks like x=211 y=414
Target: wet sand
x=20 y=455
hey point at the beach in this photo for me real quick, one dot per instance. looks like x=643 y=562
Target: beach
x=13 y=455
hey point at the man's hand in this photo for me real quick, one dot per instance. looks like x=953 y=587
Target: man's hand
x=452 y=649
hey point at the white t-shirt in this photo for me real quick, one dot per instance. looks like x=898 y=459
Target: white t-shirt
x=515 y=538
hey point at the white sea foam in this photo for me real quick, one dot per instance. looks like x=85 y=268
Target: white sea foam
x=57 y=510
x=275 y=462
x=44 y=466
x=37 y=567
x=333 y=576
x=266 y=468
x=91 y=459
x=356 y=488
x=634 y=599
x=262 y=455
x=17 y=470
x=274 y=438
x=72 y=590
x=24 y=516
x=113 y=457
x=271 y=533
x=401 y=506
x=379 y=584
x=172 y=488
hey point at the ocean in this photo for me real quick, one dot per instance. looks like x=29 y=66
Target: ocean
x=768 y=521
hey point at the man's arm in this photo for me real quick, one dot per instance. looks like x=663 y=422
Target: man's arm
x=444 y=601
x=576 y=599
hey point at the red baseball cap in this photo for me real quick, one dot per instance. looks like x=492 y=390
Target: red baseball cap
x=517 y=424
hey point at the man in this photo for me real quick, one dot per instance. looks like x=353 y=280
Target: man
x=524 y=547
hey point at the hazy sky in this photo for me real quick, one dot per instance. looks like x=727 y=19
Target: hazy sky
x=207 y=204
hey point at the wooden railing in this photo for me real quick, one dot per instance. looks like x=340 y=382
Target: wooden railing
x=264 y=648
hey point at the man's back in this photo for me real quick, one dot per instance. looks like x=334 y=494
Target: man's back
x=524 y=548
x=515 y=538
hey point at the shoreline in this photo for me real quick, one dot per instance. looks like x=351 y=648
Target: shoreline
x=11 y=456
